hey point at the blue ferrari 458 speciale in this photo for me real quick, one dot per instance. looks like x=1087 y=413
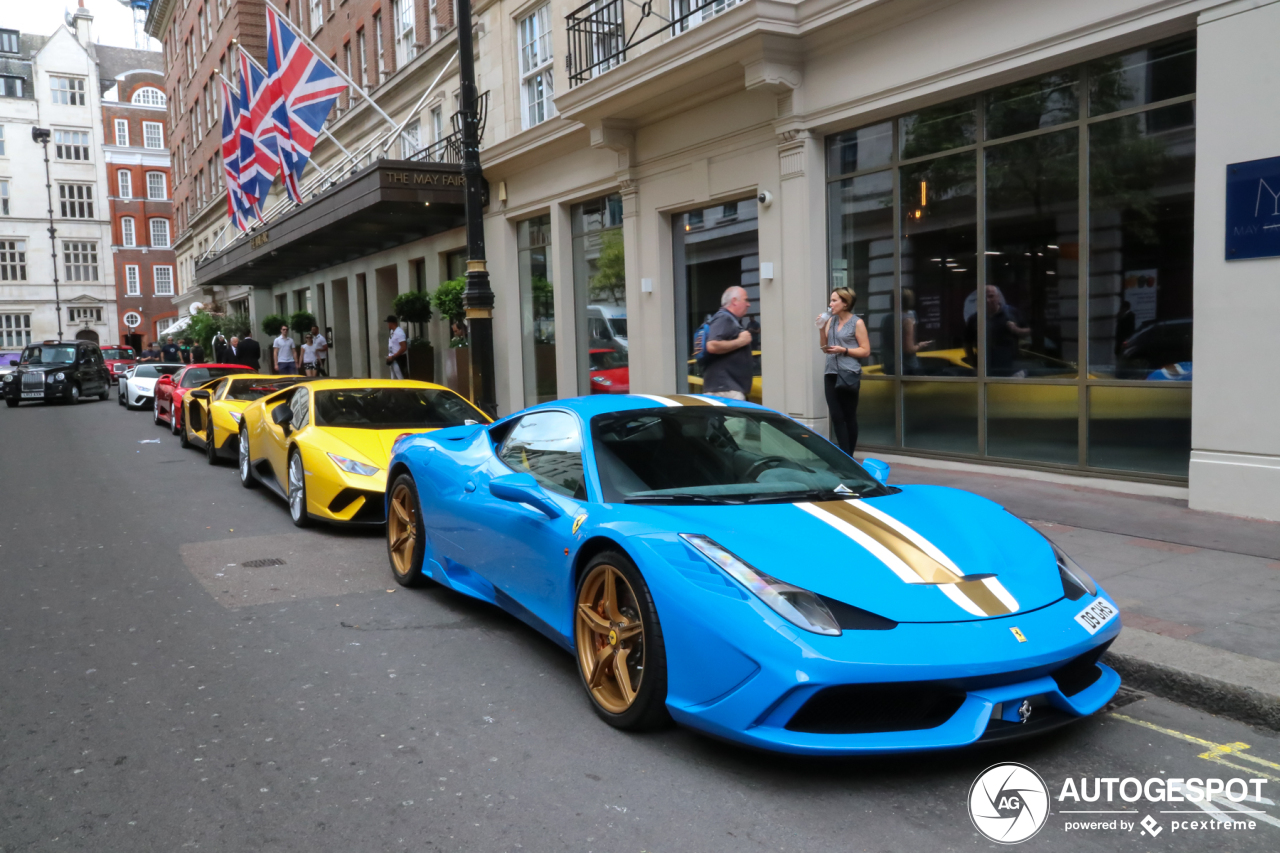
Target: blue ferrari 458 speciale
x=724 y=565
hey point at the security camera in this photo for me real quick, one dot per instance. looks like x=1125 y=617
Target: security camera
x=765 y=198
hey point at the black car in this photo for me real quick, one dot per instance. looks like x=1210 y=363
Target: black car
x=58 y=370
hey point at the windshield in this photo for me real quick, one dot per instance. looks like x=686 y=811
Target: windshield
x=619 y=326
x=49 y=355
x=116 y=353
x=607 y=359
x=252 y=389
x=197 y=376
x=393 y=408
x=152 y=371
x=700 y=454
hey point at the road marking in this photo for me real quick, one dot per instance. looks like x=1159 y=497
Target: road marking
x=1215 y=751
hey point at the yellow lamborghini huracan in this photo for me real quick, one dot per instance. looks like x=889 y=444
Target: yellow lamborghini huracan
x=211 y=413
x=323 y=445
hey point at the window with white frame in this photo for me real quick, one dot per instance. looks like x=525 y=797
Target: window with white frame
x=157 y=189
x=128 y=237
x=71 y=145
x=163 y=325
x=437 y=123
x=9 y=41
x=1 y=140
x=132 y=319
x=4 y=197
x=433 y=20
x=402 y=12
x=410 y=139
x=124 y=184
x=380 y=47
x=10 y=87
x=132 y=286
x=204 y=28
x=153 y=134
x=67 y=90
x=160 y=233
x=80 y=259
x=85 y=315
x=15 y=330
x=317 y=14
x=122 y=131
x=536 y=90
x=13 y=260
x=76 y=201
x=362 y=58
x=149 y=96
x=163 y=278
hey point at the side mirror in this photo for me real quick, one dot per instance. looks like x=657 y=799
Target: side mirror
x=165 y=380
x=877 y=469
x=200 y=395
x=282 y=415
x=523 y=489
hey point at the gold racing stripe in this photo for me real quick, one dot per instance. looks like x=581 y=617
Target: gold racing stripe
x=928 y=569
x=687 y=400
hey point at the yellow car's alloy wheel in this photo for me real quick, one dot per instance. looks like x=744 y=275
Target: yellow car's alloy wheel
x=610 y=638
x=402 y=535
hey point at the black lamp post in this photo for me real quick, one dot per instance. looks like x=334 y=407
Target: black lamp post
x=477 y=299
x=42 y=135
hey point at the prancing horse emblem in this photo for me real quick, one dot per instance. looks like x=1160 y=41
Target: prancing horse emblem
x=1024 y=711
x=577 y=522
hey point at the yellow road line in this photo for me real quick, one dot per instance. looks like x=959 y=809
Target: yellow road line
x=1215 y=751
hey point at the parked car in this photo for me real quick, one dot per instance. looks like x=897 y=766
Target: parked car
x=137 y=386
x=724 y=565
x=610 y=373
x=167 y=408
x=211 y=413
x=1153 y=347
x=323 y=445
x=119 y=359
x=57 y=371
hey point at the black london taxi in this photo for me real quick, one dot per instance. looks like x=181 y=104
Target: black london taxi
x=57 y=370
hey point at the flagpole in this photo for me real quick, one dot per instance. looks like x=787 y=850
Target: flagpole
x=395 y=134
x=336 y=70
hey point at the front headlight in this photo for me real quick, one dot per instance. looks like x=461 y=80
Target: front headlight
x=1076 y=584
x=8 y=377
x=58 y=378
x=601 y=380
x=353 y=467
x=798 y=606
x=235 y=416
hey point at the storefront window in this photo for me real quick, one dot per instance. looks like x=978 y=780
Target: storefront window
x=959 y=228
x=537 y=310
x=599 y=284
x=713 y=249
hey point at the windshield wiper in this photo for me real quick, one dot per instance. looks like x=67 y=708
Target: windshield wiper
x=670 y=498
x=806 y=494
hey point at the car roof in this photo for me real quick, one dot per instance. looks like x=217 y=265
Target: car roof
x=347 y=384
x=602 y=404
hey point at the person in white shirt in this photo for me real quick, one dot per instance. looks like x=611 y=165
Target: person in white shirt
x=308 y=355
x=397 y=349
x=282 y=353
x=322 y=351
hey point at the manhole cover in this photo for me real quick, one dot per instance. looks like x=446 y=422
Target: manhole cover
x=262 y=564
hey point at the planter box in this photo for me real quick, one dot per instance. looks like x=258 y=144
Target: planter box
x=457 y=370
x=422 y=362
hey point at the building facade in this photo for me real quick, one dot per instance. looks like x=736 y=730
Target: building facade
x=52 y=82
x=1030 y=207
x=140 y=181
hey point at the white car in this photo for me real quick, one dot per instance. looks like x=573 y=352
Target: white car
x=607 y=326
x=138 y=384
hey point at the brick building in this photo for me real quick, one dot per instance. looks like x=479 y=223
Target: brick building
x=139 y=188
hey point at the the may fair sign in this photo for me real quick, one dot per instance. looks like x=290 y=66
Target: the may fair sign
x=1253 y=209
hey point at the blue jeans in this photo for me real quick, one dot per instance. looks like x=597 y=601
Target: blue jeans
x=287 y=368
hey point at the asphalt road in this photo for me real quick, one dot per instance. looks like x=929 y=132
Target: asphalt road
x=156 y=695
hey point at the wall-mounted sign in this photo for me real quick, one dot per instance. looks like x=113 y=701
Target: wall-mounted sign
x=1253 y=209
x=259 y=239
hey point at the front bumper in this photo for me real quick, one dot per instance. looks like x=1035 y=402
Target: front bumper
x=52 y=391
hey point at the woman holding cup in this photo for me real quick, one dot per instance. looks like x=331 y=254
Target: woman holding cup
x=843 y=337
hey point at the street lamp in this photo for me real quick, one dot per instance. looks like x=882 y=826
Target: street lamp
x=42 y=136
x=477 y=299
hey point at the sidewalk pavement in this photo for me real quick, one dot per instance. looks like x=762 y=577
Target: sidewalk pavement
x=1199 y=592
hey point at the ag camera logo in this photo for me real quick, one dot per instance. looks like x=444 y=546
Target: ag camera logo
x=1008 y=803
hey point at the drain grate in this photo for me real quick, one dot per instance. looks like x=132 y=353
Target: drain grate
x=262 y=564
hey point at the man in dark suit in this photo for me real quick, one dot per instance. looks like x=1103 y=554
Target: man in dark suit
x=249 y=353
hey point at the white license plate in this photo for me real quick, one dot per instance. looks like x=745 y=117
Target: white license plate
x=1097 y=614
x=29 y=394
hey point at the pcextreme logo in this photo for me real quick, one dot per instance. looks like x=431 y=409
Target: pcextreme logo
x=1008 y=803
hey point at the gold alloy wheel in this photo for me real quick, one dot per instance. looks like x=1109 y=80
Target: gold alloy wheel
x=401 y=532
x=610 y=638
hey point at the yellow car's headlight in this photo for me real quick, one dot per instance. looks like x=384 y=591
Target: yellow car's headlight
x=353 y=467
x=235 y=416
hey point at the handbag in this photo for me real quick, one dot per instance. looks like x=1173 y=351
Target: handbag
x=847 y=379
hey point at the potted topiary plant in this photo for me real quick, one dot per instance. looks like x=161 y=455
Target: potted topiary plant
x=457 y=364
x=414 y=307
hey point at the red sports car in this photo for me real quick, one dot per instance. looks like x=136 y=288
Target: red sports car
x=119 y=358
x=610 y=373
x=171 y=389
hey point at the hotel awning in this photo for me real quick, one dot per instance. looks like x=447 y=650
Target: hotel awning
x=386 y=204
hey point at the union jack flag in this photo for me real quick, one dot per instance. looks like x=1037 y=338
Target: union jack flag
x=302 y=90
x=258 y=134
x=238 y=207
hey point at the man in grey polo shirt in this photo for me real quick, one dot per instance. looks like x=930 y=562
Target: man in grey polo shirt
x=728 y=365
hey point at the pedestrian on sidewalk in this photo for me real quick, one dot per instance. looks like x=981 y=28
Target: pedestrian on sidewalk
x=728 y=366
x=322 y=351
x=283 y=353
x=843 y=337
x=169 y=353
x=197 y=352
x=308 y=355
x=220 y=349
x=397 y=349
x=249 y=352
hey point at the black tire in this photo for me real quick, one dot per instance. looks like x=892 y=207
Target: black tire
x=120 y=395
x=210 y=449
x=173 y=419
x=11 y=402
x=297 y=492
x=648 y=710
x=412 y=574
x=182 y=436
x=73 y=394
x=243 y=456
x=155 y=412
x=106 y=392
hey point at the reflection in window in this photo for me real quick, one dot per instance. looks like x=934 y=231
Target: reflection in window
x=548 y=445
x=856 y=150
x=1039 y=423
x=1031 y=257
x=537 y=310
x=1033 y=104
x=860 y=218
x=1142 y=209
x=936 y=129
x=1142 y=76
x=599 y=279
